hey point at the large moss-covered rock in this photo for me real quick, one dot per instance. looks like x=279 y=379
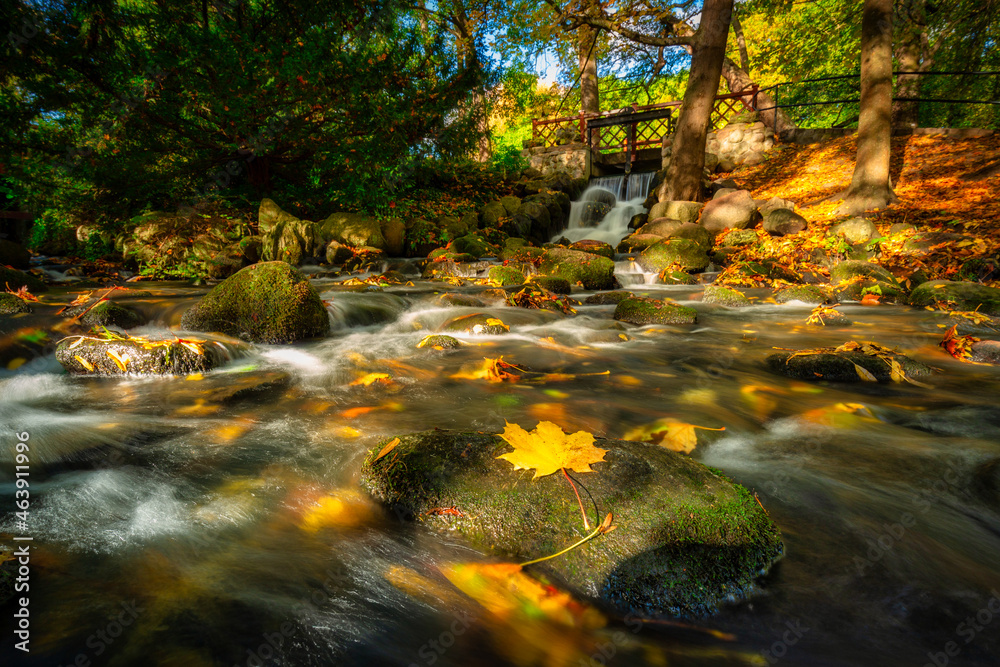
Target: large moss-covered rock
x=594 y=248
x=850 y=269
x=643 y=310
x=805 y=293
x=680 y=253
x=90 y=355
x=353 y=229
x=829 y=364
x=12 y=305
x=688 y=539
x=966 y=296
x=269 y=302
x=505 y=275
x=551 y=284
x=14 y=280
x=592 y=271
x=638 y=242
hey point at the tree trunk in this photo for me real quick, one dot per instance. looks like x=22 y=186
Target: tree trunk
x=590 y=101
x=911 y=53
x=737 y=80
x=484 y=145
x=683 y=178
x=870 y=186
x=741 y=42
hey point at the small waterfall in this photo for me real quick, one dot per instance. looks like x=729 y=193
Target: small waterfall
x=620 y=196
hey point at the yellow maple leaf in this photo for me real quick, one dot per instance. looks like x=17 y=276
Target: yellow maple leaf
x=547 y=449
x=669 y=433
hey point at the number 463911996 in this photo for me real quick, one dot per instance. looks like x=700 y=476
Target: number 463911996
x=21 y=473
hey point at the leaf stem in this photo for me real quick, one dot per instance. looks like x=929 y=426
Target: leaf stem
x=597 y=531
x=586 y=524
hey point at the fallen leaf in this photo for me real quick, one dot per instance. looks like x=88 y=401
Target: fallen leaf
x=670 y=433
x=547 y=449
x=388 y=448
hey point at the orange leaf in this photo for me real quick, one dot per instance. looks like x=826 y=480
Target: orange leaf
x=547 y=449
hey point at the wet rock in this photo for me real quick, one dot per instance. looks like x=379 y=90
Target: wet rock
x=688 y=539
x=14 y=255
x=394 y=233
x=12 y=305
x=111 y=314
x=337 y=253
x=660 y=227
x=366 y=258
x=853 y=279
x=86 y=355
x=783 y=221
x=841 y=366
x=805 y=293
x=675 y=277
x=552 y=284
x=637 y=221
x=642 y=310
x=966 y=296
x=638 y=242
x=725 y=296
x=593 y=212
x=269 y=302
x=607 y=298
x=505 y=275
x=472 y=244
x=986 y=352
x=592 y=271
x=13 y=279
x=674 y=253
x=477 y=324
x=855 y=230
x=463 y=300
x=439 y=342
x=734 y=211
x=352 y=229
x=594 y=248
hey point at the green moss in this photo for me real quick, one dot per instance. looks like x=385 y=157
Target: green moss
x=725 y=296
x=642 y=310
x=12 y=305
x=505 y=275
x=842 y=366
x=111 y=314
x=592 y=271
x=674 y=253
x=269 y=302
x=965 y=296
x=687 y=538
x=14 y=280
x=804 y=293
x=476 y=323
x=551 y=284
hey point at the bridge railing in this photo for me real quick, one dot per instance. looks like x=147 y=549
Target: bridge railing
x=643 y=134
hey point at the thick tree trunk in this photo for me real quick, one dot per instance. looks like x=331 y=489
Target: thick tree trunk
x=683 y=178
x=870 y=187
x=738 y=80
x=911 y=56
x=590 y=99
x=484 y=145
x=741 y=42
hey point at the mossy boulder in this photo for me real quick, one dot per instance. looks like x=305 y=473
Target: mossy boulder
x=493 y=212
x=551 y=284
x=804 y=293
x=759 y=271
x=739 y=238
x=269 y=302
x=15 y=280
x=292 y=241
x=12 y=305
x=835 y=366
x=111 y=314
x=87 y=355
x=643 y=310
x=675 y=277
x=472 y=245
x=505 y=275
x=674 y=253
x=594 y=248
x=353 y=229
x=688 y=539
x=966 y=296
x=660 y=227
x=592 y=271
x=607 y=298
x=725 y=296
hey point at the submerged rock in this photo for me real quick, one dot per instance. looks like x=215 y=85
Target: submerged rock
x=842 y=366
x=86 y=355
x=269 y=302
x=688 y=539
x=642 y=310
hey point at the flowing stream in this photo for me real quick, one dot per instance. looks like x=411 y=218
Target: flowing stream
x=174 y=519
